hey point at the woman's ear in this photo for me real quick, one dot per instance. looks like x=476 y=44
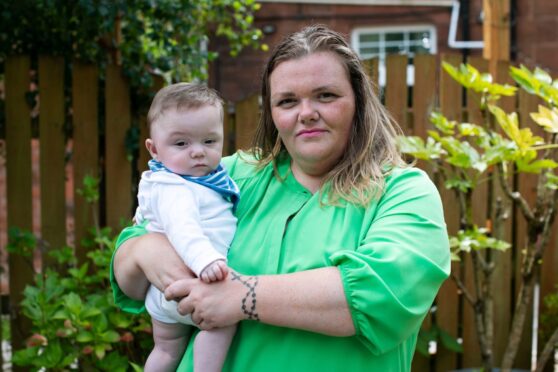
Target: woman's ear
x=150 y=145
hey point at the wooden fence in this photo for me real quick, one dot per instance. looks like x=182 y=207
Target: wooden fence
x=61 y=215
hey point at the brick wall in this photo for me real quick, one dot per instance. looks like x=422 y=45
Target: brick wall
x=536 y=34
x=238 y=78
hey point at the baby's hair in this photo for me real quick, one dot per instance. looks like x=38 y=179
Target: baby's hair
x=182 y=96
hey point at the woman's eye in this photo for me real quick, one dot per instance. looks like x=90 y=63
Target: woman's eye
x=327 y=96
x=287 y=102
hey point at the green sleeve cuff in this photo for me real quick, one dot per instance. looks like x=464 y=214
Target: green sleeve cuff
x=120 y=299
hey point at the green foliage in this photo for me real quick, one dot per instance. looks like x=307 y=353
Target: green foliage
x=439 y=336
x=90 y=188
x=470 y=78
x=465 y=155
x=165 y=36
x=21 y=242
x=549 y=316
x=475 y=239
x=75 y=323
x=537 y=82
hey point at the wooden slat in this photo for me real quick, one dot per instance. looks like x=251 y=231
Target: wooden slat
x=396 y=89
x=450 y=105
x=246 y=121
x=52 y=152
x=424 y=102
x=228 y=134
x=372 y=67
x=118 y=169
x=85 y=91
x=18 y=173
x=158 y=83
x=424 y=93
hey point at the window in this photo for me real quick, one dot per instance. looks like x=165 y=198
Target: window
x=381 y=41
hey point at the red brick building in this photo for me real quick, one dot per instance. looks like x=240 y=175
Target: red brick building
x=380 y=27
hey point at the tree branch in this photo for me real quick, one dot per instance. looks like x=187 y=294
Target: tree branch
x=515 y=196
x=461 y=286
x=547 y=351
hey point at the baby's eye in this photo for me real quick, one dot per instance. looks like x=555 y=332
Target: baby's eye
x=209 y=141
x=180 y=143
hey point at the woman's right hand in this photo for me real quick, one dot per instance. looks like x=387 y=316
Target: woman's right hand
x=147 y=259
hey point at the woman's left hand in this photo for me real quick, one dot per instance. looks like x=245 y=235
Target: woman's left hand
x=211 y=305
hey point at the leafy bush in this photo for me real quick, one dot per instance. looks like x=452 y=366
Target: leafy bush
x=145 y=35
x=75 y=323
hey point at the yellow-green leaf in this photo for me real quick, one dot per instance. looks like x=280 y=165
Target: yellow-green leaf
x=546 y=118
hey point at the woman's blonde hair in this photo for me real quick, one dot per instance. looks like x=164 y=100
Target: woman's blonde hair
x=371 y=151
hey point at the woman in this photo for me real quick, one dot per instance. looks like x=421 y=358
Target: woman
x=340 y=249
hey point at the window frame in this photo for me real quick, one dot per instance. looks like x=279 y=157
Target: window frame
x=406 y=30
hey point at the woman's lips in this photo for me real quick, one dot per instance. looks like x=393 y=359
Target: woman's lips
x=310 y=133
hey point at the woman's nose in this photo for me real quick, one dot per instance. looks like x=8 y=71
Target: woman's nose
x=308 y=112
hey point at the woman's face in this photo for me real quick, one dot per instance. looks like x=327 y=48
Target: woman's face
x=313 y=106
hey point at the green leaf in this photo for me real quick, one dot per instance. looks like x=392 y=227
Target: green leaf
x=73 y=303
x=473 y=130
x=450 y=342
x=84 y=336
x=25 y=357
x=546 y=118
x=100 y=350
x=136 y=367
x=120 y=320
x=442 y=123
x=110 y=336
x=524 y=78
x=458 y=183
x=551 y=181
x=536 y=166
x=542 y=76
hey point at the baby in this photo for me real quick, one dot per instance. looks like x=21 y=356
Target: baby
x=188 y=196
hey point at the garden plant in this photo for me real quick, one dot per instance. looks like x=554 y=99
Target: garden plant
x=75 y=323
x=497 y=151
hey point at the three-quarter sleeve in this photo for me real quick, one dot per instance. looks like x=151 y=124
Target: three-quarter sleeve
x=391 y=279
x=120 y=298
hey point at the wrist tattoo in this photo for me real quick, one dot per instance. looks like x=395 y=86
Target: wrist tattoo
x=250 y=283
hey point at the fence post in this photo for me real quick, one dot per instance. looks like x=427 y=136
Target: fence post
x=18 y=173
x=52 y=153
x=118 y=169
x=397 y=90
x=85 y=91
x=496 y=32
x=246 y=121
x=450 y=94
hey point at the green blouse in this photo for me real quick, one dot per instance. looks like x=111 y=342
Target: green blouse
x=393 y=256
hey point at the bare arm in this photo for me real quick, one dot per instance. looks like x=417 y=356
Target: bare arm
x=147 y=259
x=312 y=300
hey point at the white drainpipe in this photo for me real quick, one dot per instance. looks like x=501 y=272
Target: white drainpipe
x=452 y=42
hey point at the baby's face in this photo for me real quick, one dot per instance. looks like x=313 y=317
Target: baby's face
x=188 y=141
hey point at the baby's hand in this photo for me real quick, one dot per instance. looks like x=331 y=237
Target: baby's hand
x=215 y=271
